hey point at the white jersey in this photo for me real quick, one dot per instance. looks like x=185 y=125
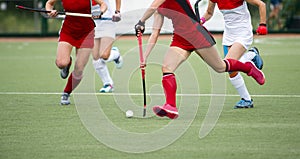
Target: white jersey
x=109 y=12
x=238 y=27
x=105 y=28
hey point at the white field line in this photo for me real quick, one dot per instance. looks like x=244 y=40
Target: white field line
x=153 y=94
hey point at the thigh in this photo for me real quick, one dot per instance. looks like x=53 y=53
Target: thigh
x=82 y=58
x=212 y=58
x=63 y=54
x=236 y=51
x=173 y=58
x=105 y=47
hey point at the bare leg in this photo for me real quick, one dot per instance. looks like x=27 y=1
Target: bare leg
x=63 y=54
x=212 y=58
x=173 y=58
x=76 y=76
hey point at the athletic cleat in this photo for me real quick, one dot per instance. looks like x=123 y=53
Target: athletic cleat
x=166 y=110
x=244 y=104
x=119 y=60
x=65 y=99
x=64 y=73
x=257 y=74
x=158 y=110
x=108 y=88
x=257 y=59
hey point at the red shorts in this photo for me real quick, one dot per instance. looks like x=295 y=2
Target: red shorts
x=192 y=40
x=78 y=31
x=85 y=41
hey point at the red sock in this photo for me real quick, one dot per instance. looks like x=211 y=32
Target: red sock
x=72 y=83
x=170 y=87
x=235 y=65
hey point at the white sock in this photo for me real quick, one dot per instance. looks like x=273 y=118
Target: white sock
x=239 y=85
x=248 y=56
x=114 y=54
x=102 y=71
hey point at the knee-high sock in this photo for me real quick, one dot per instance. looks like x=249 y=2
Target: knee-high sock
x=235 y=65
x=102 y=70
x=170 y=87
x=239 y=85
x=114 y=54
x=72 y=83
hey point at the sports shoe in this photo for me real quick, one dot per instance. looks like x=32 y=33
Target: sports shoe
x=166 y=110
x=65 y=99
x=108 y=88
x=64 y=73
x=243 y=103
x=257 y=74
x=257 y=59
x=119 y=60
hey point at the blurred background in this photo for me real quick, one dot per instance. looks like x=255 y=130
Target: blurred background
x=16 y=22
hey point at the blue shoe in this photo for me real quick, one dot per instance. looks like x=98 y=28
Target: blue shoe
x=65 y=99
x=244 y=104
x=257 y=59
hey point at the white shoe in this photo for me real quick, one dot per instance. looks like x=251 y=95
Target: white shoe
x=65 y=99
x=119 y=60
x=108 y=88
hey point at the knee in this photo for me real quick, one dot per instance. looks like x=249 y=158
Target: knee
x=62 y=63
x=105 y=55
x=165 y=69
x=219 y=69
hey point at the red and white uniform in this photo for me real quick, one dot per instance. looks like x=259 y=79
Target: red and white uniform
x=238 y=27
x=188 y=34
x=104 y=28
x=78 y=31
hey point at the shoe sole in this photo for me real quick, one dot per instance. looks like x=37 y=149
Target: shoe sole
x=242 y=107
x=103 y=91
x=67 y=103
x=161 y=112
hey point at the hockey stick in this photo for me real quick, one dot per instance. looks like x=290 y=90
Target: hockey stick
x=196 y=6
x=59 y=13
x=45 y=15
x=140 y=40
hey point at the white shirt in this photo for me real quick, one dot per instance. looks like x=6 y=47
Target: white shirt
x=238 y=27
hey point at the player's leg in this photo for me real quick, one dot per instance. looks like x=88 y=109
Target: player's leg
x=63 y=61
x=63 y=58
x=173 y=58
x=101 y=49
x=212 y=58
x=109 y=52
x=82 y=57
x=236 y=79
